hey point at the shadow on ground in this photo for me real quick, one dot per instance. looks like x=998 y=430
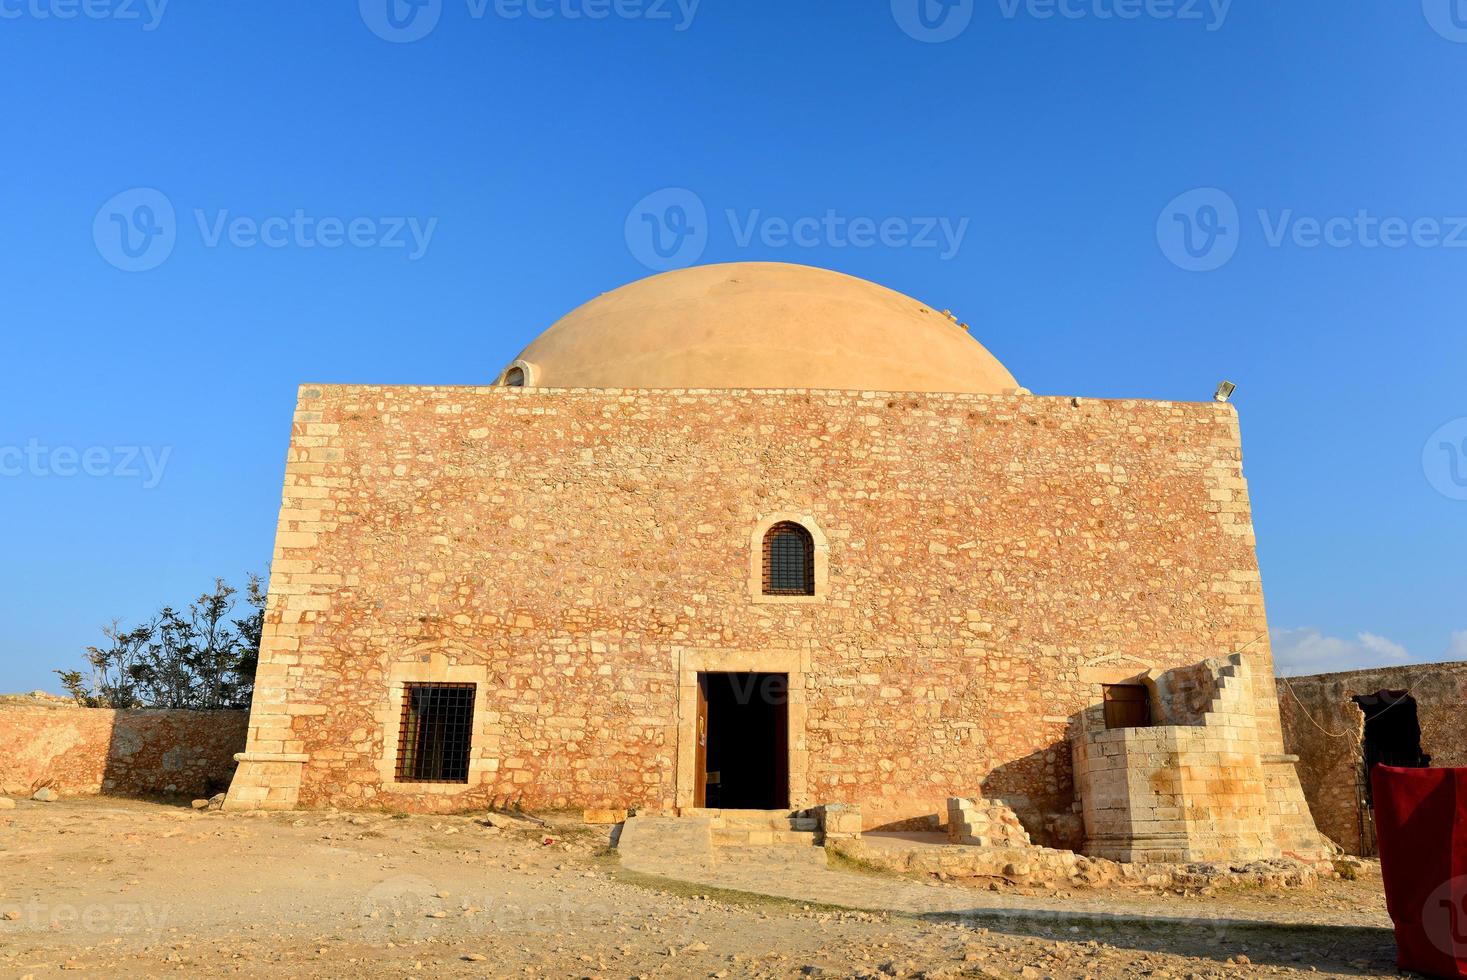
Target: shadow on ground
x=1329 y=948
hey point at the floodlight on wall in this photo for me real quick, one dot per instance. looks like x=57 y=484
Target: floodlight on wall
x=1224 y=392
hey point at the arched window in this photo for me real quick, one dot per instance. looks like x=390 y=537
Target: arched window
x=514 y=377
x=789 y=560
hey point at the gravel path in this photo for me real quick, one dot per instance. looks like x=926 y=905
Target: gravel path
x=135 y=889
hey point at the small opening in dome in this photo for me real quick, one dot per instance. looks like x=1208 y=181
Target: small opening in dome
x=514 y=377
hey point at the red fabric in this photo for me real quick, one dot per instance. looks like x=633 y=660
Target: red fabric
x=1421 y=828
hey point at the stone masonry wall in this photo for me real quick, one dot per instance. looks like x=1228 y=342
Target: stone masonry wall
x=991 y=561
x=1330 y=748
x=98 y=750
x=1183 y=696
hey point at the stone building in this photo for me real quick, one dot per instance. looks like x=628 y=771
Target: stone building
x=1342 y=724
x=762 y=536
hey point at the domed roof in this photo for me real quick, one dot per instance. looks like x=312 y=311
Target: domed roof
x=759 y=325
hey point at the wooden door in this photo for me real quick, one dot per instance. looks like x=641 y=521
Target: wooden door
x=700 y=758
x=781 y=761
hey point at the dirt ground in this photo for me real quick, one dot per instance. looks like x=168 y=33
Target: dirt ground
x=122 y=888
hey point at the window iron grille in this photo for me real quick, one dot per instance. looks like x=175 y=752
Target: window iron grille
x=789 y=560
x=437 y=733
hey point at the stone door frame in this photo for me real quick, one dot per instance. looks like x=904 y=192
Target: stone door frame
x=690 y=663
x=437 y=662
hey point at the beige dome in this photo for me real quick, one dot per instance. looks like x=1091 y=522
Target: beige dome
x=759 y=325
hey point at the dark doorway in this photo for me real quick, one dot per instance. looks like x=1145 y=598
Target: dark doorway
x=1392 y=733
x=745 y=761
x=1127 y=706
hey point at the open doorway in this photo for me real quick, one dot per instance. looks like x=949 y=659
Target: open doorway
x=1392 y=733
x=743 y=741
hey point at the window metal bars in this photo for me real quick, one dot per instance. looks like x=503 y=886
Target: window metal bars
x=789 y=560
x=437 y=733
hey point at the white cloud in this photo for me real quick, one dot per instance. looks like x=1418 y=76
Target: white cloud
x=1457 y=649
x=1387 y=650
x=1303 y=651
x=1308 y=651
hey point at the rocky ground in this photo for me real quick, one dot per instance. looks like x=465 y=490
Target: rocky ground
x=129 y=888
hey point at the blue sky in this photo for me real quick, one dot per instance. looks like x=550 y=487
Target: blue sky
x=351 y=204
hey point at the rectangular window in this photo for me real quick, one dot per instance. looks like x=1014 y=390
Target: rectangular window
x=437 y=733
x=1127 y=706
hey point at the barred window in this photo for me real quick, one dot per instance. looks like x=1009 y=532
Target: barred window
x=789 y=560
x=437 y=733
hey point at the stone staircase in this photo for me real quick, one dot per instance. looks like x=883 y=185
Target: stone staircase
x=773 y=839
x=779 y=836
x=1233 y=687
x=760 y=828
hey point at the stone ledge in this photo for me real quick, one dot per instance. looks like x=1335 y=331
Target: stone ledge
x=271 y=757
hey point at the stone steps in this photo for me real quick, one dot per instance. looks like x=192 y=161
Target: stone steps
x=756 y=819
x=771 y=840
x=758 y=837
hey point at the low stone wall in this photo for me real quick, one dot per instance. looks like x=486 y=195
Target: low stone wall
x=98 y=750
x=984 y=823
x=1046 y=867
x=1325 y=729
x=839 y=821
